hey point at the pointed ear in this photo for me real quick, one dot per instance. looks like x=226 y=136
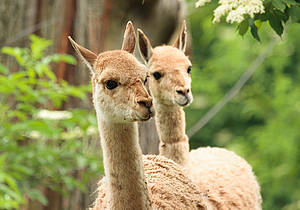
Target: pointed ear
x=144 y=46
x=129 y=38
x=87 y=56
x=180 y=42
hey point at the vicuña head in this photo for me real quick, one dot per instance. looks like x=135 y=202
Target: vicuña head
x=118 y=80
x=170 y=70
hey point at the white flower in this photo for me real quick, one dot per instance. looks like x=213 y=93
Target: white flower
x=53 y=115
x=220 y=12
x=201 y=3
x=236 y=10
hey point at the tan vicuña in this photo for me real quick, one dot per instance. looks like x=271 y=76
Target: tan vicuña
x=227 y=178
x=120 y=100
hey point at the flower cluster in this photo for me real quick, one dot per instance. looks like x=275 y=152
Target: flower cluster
x=235 y=10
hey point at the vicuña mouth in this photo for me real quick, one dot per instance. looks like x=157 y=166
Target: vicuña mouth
x=186 y=102
x=145 y=118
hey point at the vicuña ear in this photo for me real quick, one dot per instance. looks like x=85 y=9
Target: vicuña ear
x=87 y=56
x=144 y=46
x=180 y=42
x=129 y=38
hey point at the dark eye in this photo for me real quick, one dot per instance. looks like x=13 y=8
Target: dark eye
x=110 y=84
x=146 y=80
x=189 y=69
x=157 y=75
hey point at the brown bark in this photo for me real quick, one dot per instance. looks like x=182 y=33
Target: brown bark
x=64 y=48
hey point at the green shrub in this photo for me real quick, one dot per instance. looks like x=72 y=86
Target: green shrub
x=261 y=123
x=39 y=146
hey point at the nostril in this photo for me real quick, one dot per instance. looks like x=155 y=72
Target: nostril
x=188 y=90
x=143 y=103
x=180 y=92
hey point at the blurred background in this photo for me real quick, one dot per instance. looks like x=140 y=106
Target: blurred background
x=246 y=96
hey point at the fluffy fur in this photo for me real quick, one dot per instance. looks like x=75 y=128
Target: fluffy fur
x=167 y=187
x=118 y=108
x=227 y=178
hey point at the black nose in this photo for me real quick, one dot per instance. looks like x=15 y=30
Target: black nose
x=183 y=91
x=180 y=92
x=145 y=103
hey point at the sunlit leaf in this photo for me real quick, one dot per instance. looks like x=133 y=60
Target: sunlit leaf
x=38 y=45
x=3 y=69
x=61 y=57
x=278 y=4
x=243 y=27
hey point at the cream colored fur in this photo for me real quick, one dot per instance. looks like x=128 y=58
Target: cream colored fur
x=228 y=178
x=127 y=185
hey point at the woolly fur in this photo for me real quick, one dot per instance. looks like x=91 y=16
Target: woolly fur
x=227 y=178
x=127 y=185
x=168 y=187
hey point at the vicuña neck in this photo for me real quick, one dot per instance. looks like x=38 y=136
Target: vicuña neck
x=170 y=123
x=123 y=165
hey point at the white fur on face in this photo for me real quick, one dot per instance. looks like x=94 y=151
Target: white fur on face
x=108 y=107
x=164 y=89
x=120 y=105
x=174 y=87
x=188 y=98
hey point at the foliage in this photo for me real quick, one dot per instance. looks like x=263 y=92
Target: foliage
x=41 y=147
x=276 y=13
x=262 y=122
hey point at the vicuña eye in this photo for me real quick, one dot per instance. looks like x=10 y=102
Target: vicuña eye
x=157 y=75
x=189 y=69
x=111 y=84
x=146 y=80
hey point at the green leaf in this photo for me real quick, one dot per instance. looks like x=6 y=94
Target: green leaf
x=243 y=27
x=49 y=73
x=3 y=69
x=290 y=2
x=295 y=13
x=38 y=45
x=22 y=169
x=60 y=57
x=263 y=17
x=281 y=15
x=10 y=192
x=2 y=161
x=37 y=195
x=11 y=182
x=276 y=24
x=40 y=126
x=278 y=4
x=20 y=54
x=254 y=30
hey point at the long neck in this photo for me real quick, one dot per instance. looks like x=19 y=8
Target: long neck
x=170 y=123
x=123 y=165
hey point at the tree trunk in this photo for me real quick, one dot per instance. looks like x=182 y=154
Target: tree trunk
x=97 y=25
